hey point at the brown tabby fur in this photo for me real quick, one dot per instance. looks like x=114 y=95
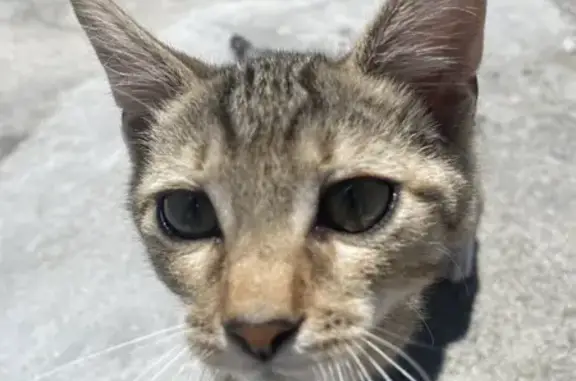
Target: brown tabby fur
x=263 y=136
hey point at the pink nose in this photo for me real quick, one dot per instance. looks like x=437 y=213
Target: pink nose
x=262 y=341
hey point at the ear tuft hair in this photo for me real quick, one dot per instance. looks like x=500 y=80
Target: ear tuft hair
x=141 y=70
x=435 y=46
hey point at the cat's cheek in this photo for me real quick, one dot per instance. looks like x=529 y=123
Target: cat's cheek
x=187 y=270
x=336 y=314
x=332 y=321
x=387 y=299
x=355 y=265
x=204 y=331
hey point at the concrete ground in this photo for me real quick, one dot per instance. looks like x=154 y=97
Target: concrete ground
x=73 y=279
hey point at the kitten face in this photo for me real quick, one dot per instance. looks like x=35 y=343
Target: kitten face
x=299 y=205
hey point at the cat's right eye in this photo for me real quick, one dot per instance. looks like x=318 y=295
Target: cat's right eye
x=188 y=215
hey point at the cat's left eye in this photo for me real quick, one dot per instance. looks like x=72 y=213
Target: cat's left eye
x=355 y=205
x=188 y=215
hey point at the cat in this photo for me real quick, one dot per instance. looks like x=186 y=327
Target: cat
x=299 y=204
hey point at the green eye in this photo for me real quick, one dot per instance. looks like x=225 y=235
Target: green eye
x=188 y=215
x=355 y=205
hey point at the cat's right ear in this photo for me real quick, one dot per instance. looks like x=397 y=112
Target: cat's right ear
x=142 y=71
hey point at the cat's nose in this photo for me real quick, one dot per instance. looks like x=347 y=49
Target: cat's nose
x=262 y=341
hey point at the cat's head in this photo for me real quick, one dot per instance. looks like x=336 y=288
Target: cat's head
x=299 y=204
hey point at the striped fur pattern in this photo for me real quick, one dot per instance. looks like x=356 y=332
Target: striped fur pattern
x=262 y=137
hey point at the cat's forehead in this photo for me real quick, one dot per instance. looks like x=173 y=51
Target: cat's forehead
x=279 y=99
x=263 y=109
x=278 y=120
x=264 y=97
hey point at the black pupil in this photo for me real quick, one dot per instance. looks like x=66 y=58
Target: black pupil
x=189 y=214
x=351 y=202
x=355 y=205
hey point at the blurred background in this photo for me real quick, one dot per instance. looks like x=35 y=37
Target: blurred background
x=73 y=277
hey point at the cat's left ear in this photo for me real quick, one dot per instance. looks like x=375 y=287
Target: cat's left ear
x=142 y=71
x=435 y=46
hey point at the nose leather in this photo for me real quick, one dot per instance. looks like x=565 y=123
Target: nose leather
x=261 y=341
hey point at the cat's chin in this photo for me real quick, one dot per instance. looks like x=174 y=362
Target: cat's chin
x=267 y=376
x=272 y=374
x=280 y=375
x=233 y=366
x=252 y=371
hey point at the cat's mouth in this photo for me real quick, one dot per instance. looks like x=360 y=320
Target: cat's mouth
x=334 y=341
x=348 y=359
x=292 y=363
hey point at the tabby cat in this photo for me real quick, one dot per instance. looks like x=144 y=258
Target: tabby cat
x=297 y=203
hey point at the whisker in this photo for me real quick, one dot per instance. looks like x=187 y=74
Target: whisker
x=339 y=373
x=403 y=354
x=182 y=367
x=362 y=369
x=331 y=369
x=168 y=364
x=351 y=372
x=323 y=372
x=314 y=372
x=171 y=331
x=375 y=364
x=447 y=252
x=156 y=363
x=389 y=359
x=412 y=342
x=197 y=360
x=426 y=326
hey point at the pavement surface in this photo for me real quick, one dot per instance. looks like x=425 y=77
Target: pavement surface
x=73 y=277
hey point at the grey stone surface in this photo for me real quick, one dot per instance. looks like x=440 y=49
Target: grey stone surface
x=73 y=280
